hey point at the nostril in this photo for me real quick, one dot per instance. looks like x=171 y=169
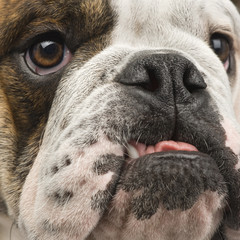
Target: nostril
x=193 y=79
x=139 y=75
x=152 y=84
x=162 y=74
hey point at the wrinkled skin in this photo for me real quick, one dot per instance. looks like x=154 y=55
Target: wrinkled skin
x=139 y=71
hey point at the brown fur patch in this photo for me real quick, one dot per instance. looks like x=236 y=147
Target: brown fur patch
x=237 y=3
x=26 y=98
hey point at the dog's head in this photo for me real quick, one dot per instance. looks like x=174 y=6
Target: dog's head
x=118 y=119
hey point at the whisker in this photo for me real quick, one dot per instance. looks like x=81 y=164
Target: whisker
x=11 y=230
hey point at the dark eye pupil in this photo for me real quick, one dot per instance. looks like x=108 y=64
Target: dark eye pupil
x=217 y=45
x=221 y=47
x=47 y=54
x=48 y=49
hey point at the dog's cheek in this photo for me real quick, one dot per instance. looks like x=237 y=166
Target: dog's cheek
x=232 y=219
x=24 y=110
x=69 y=188
x=232 y=139
x=7 y=153
x=232 y=234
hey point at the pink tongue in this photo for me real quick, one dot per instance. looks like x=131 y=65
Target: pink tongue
x=163 y=146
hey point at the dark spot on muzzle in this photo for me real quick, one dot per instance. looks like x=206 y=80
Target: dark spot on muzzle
x=50 y=227
x=62 y=197
x=63 y=163
x=108 y=162
x=103 y=165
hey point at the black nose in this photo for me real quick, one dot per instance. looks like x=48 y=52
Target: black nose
x=163 y=74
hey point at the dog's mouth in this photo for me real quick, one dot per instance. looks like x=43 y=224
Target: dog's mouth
x=136 y=149
x=161 y=170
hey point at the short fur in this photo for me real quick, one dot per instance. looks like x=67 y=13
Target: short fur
x=64 y=172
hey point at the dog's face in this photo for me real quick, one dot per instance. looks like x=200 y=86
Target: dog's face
x=118 y=119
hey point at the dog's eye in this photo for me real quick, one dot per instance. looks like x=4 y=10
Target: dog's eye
x=221 y=47
x=47 y=57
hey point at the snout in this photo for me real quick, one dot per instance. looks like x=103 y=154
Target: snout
x=90 y=169
x=174 y=87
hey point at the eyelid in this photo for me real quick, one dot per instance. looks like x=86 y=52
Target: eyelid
x=38 y=37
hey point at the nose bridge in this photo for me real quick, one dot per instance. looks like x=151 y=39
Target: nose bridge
x=137 y=19
x=151 y=23
x=164 y=75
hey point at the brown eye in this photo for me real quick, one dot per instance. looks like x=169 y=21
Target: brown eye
x=47 y=54
x=47 y=57
x=221 y=47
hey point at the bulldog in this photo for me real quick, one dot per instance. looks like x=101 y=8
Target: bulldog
x=120 y=119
